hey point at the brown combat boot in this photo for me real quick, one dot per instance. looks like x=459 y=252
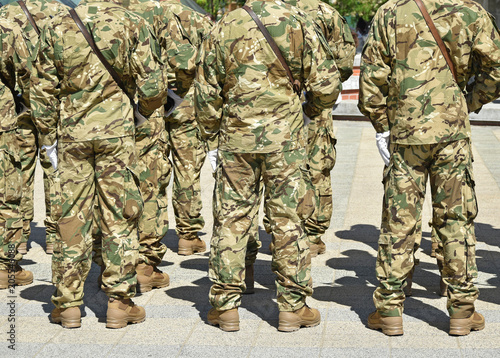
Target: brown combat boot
x=228 y=320
x=49 y=248
x=123 y=311
x=463 y=326
x=68 y=317
x=149 y=277
x=18 y=277
x=249 y=281
x=317 y=249
x=190 y=246
x=23 y=248
x=303 y=317
x=390 y=326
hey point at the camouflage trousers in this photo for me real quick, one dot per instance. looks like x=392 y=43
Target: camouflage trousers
x=11 y=219
x=154 y=171
x=449 y=169
x=102 y=171
x=289 y=202
x=27 y=136
x=188 y=155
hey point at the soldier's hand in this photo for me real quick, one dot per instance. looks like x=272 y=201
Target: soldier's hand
x=212 y=157
x=383 y=146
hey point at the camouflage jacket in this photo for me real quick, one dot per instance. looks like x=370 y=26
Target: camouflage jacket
x=70 y=82
x=406 y=85
x=242 y=90
x=195 y=27
x=336 y=31
x=12 y=72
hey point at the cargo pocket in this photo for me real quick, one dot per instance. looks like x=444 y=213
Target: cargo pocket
x=11 y=177
x=469 y=196
x=134 y=204
x=306 y=198
x=384 y=257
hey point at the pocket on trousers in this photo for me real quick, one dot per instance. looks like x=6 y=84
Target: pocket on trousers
x=469 y=196
x=11 y=177
x=134 y=204
x=306 y=199
x=470 y=252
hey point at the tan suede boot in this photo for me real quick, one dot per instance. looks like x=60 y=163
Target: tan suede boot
x=149 y=277
x=123 y=311
x=68 y=317
x=18 y=277
x=190 y=246
x=228 y=320
x=463 y=326
x=303 y=317
x=390 y=326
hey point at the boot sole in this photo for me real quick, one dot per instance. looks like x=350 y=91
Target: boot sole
x=388 y=331
x=226 y=326
x=187 y=252
x=115 y=323
x=463 y=331
x=17 y=284
x=146 y=288
x=65 y=323
x=289 y=327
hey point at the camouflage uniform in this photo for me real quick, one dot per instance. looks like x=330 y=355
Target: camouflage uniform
x=95 y=134
x=12 y=47
x=185 y=144
x=151 y=138
x=321 y=139
x=407 y=88
x=243 y=96
x=41 y=10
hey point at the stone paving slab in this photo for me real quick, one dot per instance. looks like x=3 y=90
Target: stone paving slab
x=344 y=281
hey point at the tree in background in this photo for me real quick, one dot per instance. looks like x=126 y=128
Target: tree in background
x=364 y=9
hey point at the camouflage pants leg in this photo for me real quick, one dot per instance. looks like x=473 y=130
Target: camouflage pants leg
x=11 y=220
x=448 y=165
x=153 y=167
x=50 y=196
x=188 y=156
x=99 y=170
x=239 y=177
x=28 y=145
x=321 y=155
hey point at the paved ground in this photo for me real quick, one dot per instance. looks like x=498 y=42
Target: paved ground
x=343 y=284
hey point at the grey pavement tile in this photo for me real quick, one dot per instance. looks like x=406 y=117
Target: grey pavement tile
x=296 y=352
x=205 y=334
x=163 y=331
x=214 y=351
x=355 y=352
x=434 y=352
x=480 y=353
x=84 y=335
x=143 y=350
x=21 y=349
x=52 y=350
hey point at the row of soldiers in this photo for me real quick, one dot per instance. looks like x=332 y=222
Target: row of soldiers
x=105 y=179
x=264 y=140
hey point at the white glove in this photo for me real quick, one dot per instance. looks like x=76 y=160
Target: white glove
x=383 y=146
x=177 y=101
x=52 y=154
x=212 y=157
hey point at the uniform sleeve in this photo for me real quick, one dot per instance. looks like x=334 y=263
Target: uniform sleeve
x=208 y=100
x=342 y=44
x=375 y=76
x=179 y=56
x=149 y=79
x=486 y=52
x=44 y=88
x=321 y=76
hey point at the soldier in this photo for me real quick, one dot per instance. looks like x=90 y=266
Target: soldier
x=95 y=147
x=187 y=148
x=41 y=11
x=179 y=55
x=12 y=71
x=419 y=110
x=243 y=96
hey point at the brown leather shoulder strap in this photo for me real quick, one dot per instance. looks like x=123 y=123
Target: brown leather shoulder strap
x=28 y=15
x=295 y=83
x=438 y=39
